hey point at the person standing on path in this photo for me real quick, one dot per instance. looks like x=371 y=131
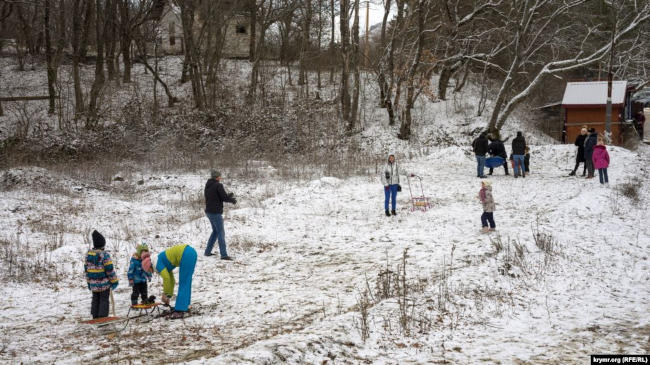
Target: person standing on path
x=590 y=143
x=182 y=256
x=100 y=276
x=390 y=180
x=485 y=196
x=215 y=195
x=480 y=146
x=519 y=154
x=580 y=156
x=601 y=161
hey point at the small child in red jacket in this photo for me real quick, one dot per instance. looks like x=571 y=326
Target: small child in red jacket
x=600 y=157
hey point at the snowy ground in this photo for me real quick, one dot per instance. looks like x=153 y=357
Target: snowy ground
x=306 y=251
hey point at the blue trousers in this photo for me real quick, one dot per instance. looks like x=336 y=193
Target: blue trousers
x=488 y=217
x=218 y=234
x=185 y=273
x=602 y=174
x=519 y=164
x=390 y=194
x=480 y=165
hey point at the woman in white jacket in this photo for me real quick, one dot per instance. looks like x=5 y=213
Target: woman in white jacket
x=390 y=180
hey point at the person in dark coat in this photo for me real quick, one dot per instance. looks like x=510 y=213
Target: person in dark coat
x=480 y=146
x=518 y=154
x=215 y=195
x=496 y=148
x=580 y=156
x=590 y=142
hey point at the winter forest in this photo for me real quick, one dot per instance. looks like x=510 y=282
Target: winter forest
x=324 y=181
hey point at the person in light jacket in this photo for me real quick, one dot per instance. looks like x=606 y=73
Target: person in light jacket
x=390 y=180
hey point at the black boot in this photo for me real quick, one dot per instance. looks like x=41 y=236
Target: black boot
x=393 y=212
x=387 y=214
x=573 y=173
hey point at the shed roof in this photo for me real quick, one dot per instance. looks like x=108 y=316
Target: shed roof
x=593 y=93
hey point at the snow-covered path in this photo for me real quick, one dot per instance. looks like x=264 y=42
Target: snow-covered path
x=306 y=250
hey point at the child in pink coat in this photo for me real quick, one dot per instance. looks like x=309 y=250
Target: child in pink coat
x=600 y=157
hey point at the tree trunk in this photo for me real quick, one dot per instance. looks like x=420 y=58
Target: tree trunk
x=345 y=63
x=356 y=57
x=383 y=84
x=191 y=52
x=331 y=50
x=405 y=128
x=49 y=56
x=304 y=46
x=320 y=38
x=251 y=40
x=125 y=41
x=98 y=84
x=88 y=20
x=110 y=35
x=76 y=57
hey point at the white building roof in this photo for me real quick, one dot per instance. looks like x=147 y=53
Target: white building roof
x=593 y=93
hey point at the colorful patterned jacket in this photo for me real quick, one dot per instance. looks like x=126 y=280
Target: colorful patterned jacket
x=99 y=270
x=136 y=273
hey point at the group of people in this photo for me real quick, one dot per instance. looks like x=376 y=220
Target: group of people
x=102 y=278
x=486 y=144
x=592 y=153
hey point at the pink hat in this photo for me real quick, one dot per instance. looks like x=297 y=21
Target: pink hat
x=146 y=261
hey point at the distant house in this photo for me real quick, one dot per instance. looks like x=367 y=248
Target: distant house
x=237 y=37
x=585 y=103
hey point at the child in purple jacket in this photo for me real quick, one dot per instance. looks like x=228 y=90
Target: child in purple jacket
x=600 y=157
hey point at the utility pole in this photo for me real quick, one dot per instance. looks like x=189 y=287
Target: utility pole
x=367 y=47
x=610 y=76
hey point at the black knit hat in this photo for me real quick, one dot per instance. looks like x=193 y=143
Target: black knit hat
x=98 y=240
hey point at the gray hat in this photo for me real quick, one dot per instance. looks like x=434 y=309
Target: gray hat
x=214 y=174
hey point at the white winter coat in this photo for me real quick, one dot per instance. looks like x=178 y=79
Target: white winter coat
x=390 y=175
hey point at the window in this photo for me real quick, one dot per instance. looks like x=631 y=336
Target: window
x=172 y=33
x=241 y=29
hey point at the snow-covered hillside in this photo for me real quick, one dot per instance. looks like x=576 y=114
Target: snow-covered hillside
x=308 y=250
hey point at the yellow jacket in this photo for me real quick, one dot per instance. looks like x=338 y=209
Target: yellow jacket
x=168 y=260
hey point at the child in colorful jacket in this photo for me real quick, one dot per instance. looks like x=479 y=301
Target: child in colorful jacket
x=600 y=157
x=485 y=195
x=184 y=257
x=139 y=273
x=100 y=276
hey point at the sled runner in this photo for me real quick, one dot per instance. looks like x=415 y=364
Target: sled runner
x=418 y=202
x=145 y=309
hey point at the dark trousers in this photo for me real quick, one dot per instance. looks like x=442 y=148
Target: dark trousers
x=505 y=166
x=100 y=303
x=584 y=170
x=590 y=167
x=488 y=217
x=139 y=289
x=602 y=174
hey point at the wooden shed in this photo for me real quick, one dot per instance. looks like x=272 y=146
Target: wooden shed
x=585 y=103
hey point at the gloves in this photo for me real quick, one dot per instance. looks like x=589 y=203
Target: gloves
x=114 y=286
x=412 y=175
x=130 y=282
x=234 y=201
x=386 y=187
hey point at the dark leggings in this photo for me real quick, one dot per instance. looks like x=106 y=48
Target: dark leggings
x=99 y=306
x=141 y=290
x=584 y=170
x=488 y=217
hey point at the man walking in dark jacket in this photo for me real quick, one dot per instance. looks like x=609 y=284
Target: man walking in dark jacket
x=590 y=142
x=215 y=195
x=519 y=154
x=480 y=146
x=496 y=148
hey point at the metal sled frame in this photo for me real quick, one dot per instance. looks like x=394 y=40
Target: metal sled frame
x=421 y=202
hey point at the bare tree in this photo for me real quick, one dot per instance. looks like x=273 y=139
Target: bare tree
x=344 y=89
x=305 y=41
x=100 y=79
x=53 y=57
x=355 y=60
